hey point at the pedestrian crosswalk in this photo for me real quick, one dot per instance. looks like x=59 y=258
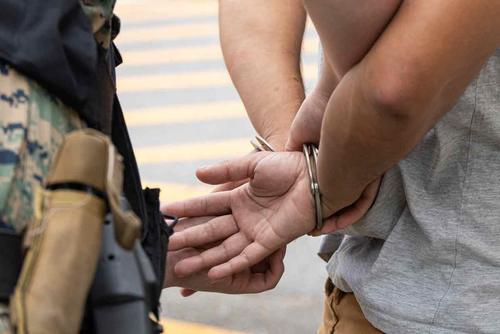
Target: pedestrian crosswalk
x=217 y=150
x=179 y=103
x=185 y=113
x=188 y=80
x=157 y=65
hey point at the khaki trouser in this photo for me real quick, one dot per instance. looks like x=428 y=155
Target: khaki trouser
x=342 y=314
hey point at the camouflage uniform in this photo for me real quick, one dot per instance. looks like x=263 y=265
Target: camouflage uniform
x=33 y=124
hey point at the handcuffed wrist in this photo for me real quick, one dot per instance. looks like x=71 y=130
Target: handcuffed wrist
x=277 y=139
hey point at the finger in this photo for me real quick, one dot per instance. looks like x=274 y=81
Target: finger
x=264 y=265
x=214 y=204
x=251 y=255
x=172 y=259
x=229 y=186
x=216 y=229
x=277 y=268
x=294 y=143
x=186 y=223
x=329 y=226
x=232 y=170
x=283 y=252
x=358 y=209
x=261 y=267
x=352 y=214
x=212 y=257
x=308 y=133
x=345 y=217
x=187 y=292
x=260 y=282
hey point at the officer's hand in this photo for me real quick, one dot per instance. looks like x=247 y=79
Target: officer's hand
x=261 y=277
x=253 y=280
x=243 y=282
x=254 y=220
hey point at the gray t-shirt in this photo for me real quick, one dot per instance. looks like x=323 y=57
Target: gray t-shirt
x=426 y=258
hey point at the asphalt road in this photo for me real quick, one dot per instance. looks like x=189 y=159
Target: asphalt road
x=183 y=113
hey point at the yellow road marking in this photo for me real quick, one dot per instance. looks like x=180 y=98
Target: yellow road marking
x=180 y=327
x=188 y=80
x=216 y=150
x=169 y=32
x=172 y=192
x=190 y=54
x=185 y=113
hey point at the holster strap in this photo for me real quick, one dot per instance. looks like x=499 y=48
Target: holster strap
x=10 y=263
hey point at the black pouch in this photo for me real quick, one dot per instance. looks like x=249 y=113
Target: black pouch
x=155 y=235
x=10 y=262
x=145 y=203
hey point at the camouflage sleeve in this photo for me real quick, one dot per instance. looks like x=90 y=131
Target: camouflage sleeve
x=33 y=124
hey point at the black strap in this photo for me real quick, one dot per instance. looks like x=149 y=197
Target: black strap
x=10 y=263
x=51 y=42
x=78 y=187
x=132 y=187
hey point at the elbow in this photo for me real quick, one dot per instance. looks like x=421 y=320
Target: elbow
x=395 y=95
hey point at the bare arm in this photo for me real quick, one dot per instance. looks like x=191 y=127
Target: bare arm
x=348 y=28
x=261 y=42
x=306 y=126
x=412 y=76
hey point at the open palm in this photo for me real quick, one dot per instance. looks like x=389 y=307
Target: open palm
x=246 y=281
x=261 y=277
x=255 y=219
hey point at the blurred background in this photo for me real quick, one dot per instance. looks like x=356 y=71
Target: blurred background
x=183 y=112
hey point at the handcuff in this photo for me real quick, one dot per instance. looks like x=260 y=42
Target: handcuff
x=311 y=155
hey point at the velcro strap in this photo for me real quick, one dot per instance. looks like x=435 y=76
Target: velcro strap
x=11 y=260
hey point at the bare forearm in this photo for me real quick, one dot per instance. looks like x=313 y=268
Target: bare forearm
x=383 y=107
x=348 y=28
x=261 y=42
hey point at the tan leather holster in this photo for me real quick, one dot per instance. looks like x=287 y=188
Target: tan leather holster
x=64 y=241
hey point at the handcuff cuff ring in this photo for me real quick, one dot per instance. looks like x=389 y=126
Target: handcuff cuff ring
x=311 y=155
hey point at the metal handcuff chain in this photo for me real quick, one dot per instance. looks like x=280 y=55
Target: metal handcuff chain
x=311 y=156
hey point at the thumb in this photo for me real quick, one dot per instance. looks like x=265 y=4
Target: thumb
x=302 y=133
x=292 y=144
x=232 y=170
